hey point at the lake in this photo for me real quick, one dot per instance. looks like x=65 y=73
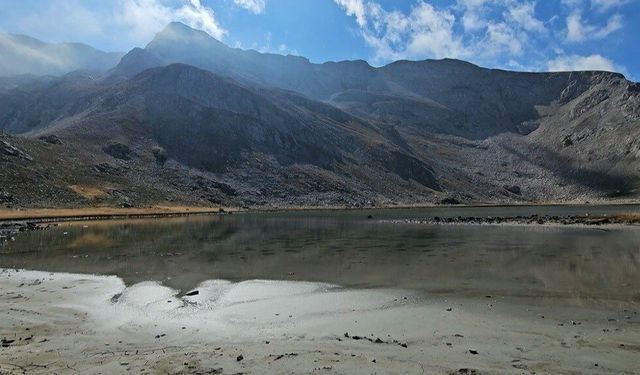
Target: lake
x=574 y=265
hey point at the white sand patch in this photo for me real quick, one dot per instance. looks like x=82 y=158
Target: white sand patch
x=96 y=324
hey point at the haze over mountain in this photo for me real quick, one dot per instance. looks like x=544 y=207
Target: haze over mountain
x=23 y=55
x=190 y=119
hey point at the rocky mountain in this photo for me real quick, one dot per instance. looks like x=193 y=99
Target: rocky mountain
x=188 y=119
x=23 y=55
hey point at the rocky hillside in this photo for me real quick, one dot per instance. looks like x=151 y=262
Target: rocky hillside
x=188 y=119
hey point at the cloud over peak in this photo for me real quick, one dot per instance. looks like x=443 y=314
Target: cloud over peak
x=575 y=62
x=146 y=17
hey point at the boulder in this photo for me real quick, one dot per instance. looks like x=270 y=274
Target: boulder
x=513 y=189
x=11 y=150
x=118 y=151
x=51 y=139
x=5 y=197
x=160 y=154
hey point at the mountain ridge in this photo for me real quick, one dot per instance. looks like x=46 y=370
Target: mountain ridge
x=242 y=128
x=21 y=54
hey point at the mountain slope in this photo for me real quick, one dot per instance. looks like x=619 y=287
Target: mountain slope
x=445 y=96
x=189 y=119
x=20 y=54
x=258 y=146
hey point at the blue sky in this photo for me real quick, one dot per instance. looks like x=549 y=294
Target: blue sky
x=511 y=34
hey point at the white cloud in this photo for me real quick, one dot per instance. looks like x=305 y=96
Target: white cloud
x=473 y=17
x=497 y=33
x=524 y=15
x=424 y=31
x=355 y=8
x=429 y=32
x=62 y=21
x=253 y=6
x=144 y=18
x=576 y=62
x=117 y=24
x=578 y=30
x=501 y=38
x=476 y=14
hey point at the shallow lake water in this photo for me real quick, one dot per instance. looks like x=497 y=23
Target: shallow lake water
x=574 y=265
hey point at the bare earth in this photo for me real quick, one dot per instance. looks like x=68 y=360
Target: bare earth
x=71 y=324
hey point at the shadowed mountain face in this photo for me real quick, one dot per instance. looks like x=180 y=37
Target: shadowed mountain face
x=20 y=55
x=189 y=119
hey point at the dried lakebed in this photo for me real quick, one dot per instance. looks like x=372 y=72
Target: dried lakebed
x=323 y=292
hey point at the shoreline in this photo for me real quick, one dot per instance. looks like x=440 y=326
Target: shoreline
x=13 y=221
x=439 y=205
x=100 y=213
x=103 y=213
x=620 y=220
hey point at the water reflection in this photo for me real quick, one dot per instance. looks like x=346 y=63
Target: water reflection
x=345 y=249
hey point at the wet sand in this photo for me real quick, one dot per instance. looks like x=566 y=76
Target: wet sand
x=73 y=323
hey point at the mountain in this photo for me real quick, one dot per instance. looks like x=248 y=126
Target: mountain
x=188 y=119
x=23 y=55
x=449 y=96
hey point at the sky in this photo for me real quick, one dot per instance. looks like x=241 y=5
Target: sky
x=529 y=35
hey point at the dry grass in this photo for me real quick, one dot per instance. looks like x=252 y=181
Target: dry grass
x=87 y=191
x=103 y=212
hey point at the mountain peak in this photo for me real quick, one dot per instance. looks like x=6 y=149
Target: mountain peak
x=178 y=31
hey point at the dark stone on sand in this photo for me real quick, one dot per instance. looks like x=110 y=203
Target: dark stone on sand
x=192 y=293
x=473 y=351
x=239 y=358
x=465 y=371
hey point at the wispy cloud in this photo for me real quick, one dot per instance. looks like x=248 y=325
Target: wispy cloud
x=609 y=4
x=578 y=30
x=393 y=34
x=253 y=6
x=427 y=31
x=499 y=33
x=124 y=23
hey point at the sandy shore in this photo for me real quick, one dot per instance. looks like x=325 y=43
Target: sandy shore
x=71 y=323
